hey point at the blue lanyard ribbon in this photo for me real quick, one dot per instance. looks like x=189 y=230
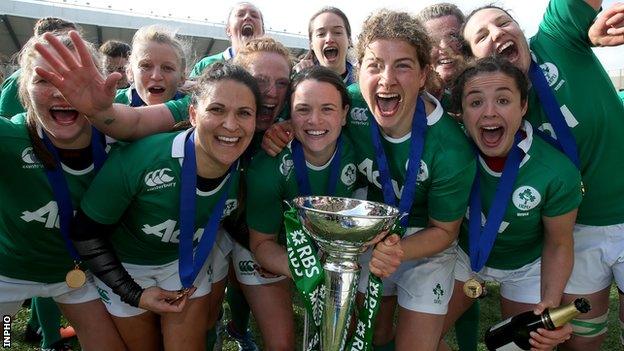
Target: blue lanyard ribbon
x=60 y=189
x=565 y=140
x=417 y=145
x=301 y=170
x=349 y=78
x=136 y=101
x=481 y=241
x=191 y=262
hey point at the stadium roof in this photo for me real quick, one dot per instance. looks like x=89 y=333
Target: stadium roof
x=17 y=18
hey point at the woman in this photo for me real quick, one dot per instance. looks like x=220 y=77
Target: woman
x=150 y=208
x=393 y=55
x=156 y=69
x=319 y=103
x=529 y=209
x=54 y=154
x=567 y=77
x=329 y=33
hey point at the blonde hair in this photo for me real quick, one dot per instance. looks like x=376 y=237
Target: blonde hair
x=161 y=35
x=263 y=44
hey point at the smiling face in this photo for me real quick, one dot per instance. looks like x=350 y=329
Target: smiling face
x=244 y=24
x=446 y=57
x=66 y=127
x=224 y=117
x=491 y=31
x=390 y=80
x=156 y=71
x=272 y=72
x=329 y=41
x=492 y=111
x=317 y=115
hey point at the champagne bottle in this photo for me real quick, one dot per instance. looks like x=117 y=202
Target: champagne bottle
x=513 y=334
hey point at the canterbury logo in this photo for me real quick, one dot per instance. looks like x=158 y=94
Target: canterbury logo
x=358 y=114
x=158 y=177
x=28 y=156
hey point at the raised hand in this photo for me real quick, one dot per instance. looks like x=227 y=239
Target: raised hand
x=608 y=29
x=76 y=76
x=277 y=137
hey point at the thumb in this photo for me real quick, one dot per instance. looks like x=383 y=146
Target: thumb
x=392 y=240
x=111 y=81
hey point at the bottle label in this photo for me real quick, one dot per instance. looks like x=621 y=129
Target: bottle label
x=509 y=347
x=496 y=326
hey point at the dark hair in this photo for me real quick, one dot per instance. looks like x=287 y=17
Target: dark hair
x=52 y=24
x=325 y=75
x=490 y=64
x=336 y=11
x=440 y=10
x=221 y=71
x=472 y=13
x=115 y=48
x=393 y=25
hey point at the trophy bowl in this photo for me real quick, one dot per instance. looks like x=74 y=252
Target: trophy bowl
x=342 y=228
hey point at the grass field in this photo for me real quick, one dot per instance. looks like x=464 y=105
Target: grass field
x=490 y=314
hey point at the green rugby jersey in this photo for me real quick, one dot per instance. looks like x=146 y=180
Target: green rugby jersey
x=589 y=104
x=209 y=60
x=270 y=180
x=10 y=104
x=447 y=167
x=31 y=245
x=139 y=189
x=621 y=95
x=547 y=185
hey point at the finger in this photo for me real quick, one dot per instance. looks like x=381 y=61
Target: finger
x=615 y=19
x=52 y=60
x=615 y=31
x=392 y=240
x=51 y=77
x=269 y=147
x=282 y=136
x=389 y=259
x=111 y=81
x=66 y=56
x=86 y=60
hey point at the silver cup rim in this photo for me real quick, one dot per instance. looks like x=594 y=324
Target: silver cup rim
x=394 y=209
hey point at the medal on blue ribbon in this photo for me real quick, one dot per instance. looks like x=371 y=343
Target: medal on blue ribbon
x=76 y=277
x=481 y=239
x=417 y=145
x=191 y=261
x=301 y=170
x=565 y=140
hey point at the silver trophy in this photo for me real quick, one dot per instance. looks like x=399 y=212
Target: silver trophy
x=342 y=228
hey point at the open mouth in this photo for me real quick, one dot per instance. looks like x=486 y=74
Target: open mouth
x=247 y=30
x=227 y=140
x=508 y=50
x=330 y=53
x=64 y=115
x=491 y=136
x=266 y=112
x=156 y=90
x=387 y=103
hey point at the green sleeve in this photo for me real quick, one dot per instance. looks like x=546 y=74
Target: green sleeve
x=10 y=104
x=566 y=23
x=264 y=193
x=204 y=63
x=179 y=108
x=122 y=96
x=454 y=170
x=110 y=194
x=564 y=193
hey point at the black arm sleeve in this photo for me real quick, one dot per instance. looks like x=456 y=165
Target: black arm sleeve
x=91 y=241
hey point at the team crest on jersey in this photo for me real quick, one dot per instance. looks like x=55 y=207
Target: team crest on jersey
x=551 y=72
x=159 y=179
x=30 y=159
x=349 y=174
x=526 y=198
x=286 y=165
x=230 y=206
x=358 y=115
x=423 y=171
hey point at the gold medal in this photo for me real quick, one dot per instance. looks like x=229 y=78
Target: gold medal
x=75 y=278
x=472 y=288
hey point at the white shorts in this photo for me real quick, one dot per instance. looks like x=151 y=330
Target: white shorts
x=13 y=292
x=220 y=257
x=424 y=285
x=245 y=267
x=167 y=277
x=519 y=285
x=598 y=258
